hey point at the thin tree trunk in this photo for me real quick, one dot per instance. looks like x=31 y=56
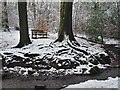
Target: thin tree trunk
x=23 y=22
x=47 y=12
x=118 y=11
x=34 y=9
x=5 y=16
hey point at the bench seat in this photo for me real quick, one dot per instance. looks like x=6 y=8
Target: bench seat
x=38 y=34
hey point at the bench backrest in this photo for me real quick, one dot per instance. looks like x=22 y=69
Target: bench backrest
x=39 y=31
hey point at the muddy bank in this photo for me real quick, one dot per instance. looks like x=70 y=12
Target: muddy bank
x=57 y=82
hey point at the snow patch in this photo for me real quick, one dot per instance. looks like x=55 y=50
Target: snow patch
x=110 y=83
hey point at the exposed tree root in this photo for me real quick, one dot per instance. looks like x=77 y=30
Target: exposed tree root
x=62 y=50
x=74 y=47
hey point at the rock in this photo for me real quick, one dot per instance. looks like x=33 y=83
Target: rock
x=53 y=64
x=27 y=60
x=3 y=61
x=31 y=72
x=83 y=70
x=31 y=55
x=74 y=64
x=18 y=58
x=43 y=67
x=64 y=64
x=7 y=53
x=93 y=61
x=41 y=62
x=82 y=62
x=95 y=70
x=104 y=59
x=12 y=65
x=90 y=65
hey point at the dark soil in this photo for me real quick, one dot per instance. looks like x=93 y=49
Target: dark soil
x=114 y=53
x=58 y=82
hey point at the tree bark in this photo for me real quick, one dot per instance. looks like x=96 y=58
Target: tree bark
x=5 y=16
x=118 y=12
x=23 y=22
x=61 y=28
x=65 y=27
x=33 y=6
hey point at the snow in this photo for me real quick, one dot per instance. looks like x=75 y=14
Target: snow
x=110 y=83
x=44 y=47
x=36 y=74
x=11 y=39
x=111 y=41
x=8 y=39
x=106 y=40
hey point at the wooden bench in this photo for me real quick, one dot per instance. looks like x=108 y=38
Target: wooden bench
x=38 y=34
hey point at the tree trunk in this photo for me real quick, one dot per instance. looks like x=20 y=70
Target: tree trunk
x=118 y=12
x=65 y=27
x=47 y=13
x=23 y=22
x=5 y=16
x=61 y=28
x=34 y=9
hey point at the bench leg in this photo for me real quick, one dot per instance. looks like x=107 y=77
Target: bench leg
x=35 y=34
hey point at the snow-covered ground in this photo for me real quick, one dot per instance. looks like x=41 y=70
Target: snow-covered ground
x=46 y=49
x=110 y=83
x=106 y=40
x=11 y=39
x=8 y=39
x=111 y=41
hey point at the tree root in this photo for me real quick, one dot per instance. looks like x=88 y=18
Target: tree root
x=62 y=50
x=72 y=46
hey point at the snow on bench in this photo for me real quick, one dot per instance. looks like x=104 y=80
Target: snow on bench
x=38 y=34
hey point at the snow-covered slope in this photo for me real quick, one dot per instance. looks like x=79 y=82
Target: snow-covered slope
x=43 y=54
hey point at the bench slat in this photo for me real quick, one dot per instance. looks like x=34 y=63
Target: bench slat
x=37 y=33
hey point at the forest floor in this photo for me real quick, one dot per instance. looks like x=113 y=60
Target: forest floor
x=57 y=82
x=8 y=40
x=60 y=81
